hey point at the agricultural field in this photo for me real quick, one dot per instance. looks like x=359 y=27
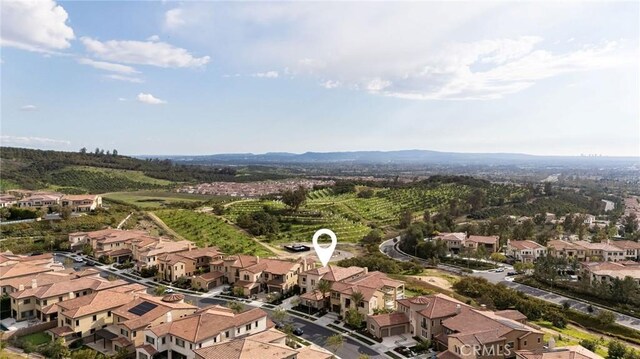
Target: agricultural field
x=101 y=180
x=206 y=229
x=155 y=199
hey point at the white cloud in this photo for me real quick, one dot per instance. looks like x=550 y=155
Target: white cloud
x=122 y=99
x=174 y=18
x=36 y=25
x=330 y=84
x=125 y=78
x=153 y=38
x=108 y=66
x=149 y=99
x=268 y=74
x=418 y=50
x=28 y=108
x=30 y=141
x=151 y=53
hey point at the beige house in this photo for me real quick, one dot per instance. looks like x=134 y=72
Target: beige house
x=18 y=269
x=268 y=344
x=254 y=274
x=608 y=271
x=426 y=313
x=602 y=251
x=454 y=241
x=38 y=301
x=40 y=200
x=83 y=316
x=82 y=202
x=384 y=325
x=525 y=251
x=308 y=282
x=188 y=263
x=474 y=334
x=490 y=243
x=378 y=291
x=566 y=249
x=178 y=338
x=631 y=249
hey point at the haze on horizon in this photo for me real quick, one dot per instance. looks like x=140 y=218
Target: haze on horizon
x=195 y=78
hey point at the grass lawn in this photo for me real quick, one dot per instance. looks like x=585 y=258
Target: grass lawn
x=5 y=354
x=155 y=199
x=572 y=336
x=37 y=338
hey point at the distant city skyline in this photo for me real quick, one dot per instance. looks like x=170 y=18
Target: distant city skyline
x=197 y=78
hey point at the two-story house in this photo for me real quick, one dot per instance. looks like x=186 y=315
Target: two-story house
x=82 y=202
x=526 y=251
x=308 y=282
x=178 y=338
x=378 y=292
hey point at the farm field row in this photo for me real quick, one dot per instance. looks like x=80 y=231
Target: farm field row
x=209 y=230
x=155 y=199
x=101 y=180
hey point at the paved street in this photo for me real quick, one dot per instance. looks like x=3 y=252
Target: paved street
x=314 y=333
x=389 y=249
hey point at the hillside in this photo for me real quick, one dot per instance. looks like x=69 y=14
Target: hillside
x=75 y=172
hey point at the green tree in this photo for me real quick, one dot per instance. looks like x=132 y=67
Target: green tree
x=498 y=257
x=65 y=212
x=279 y=315
x=357 y=298
x=56 y=349
x=631 y=354
x=591 y=344
x=354 y=318
x=605 y=317
x=160 y=290
x=294 y=199
x=406 y=217
x=121 y=353
x=335 y=342
x=324 y=287
x=616 y=350
x=237 y=307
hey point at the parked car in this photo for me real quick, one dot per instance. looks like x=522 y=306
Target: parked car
x=169 y=290
x=90 y=264
x=298 y=331
x=512 y=273
x=500 y=270
x=78 y=260
x=279 y=325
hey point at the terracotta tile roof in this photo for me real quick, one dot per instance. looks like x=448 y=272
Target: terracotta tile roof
x=451 y=236
x=93 y=303
x=484 y=239
x=211 y=275
x=41 y=278
x=312 y=352
x=246 y=348
x=511 y=314
x=439 y=306
x=207 y=323
x=61 y=331
x=268 y=336
x=625 y=244
x=75 y=285
x=337 y=274
x=568 y=352
x=20 y=270
x=149 y=349
x=527 y=244
x=385 y=320
x=202 y=252
x=314 y=295
x=241 y=260
x=367 y=284
x=134 y=321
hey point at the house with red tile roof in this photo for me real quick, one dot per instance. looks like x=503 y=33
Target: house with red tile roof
x=204 y=328
x=526 y=251
x=377 y=289
x=308 y=282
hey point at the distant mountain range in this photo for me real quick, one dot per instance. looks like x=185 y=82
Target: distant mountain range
x=399 y=157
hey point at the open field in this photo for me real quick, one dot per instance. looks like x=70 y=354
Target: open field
x=205 y=229
x=100 y=180
x=155 y=199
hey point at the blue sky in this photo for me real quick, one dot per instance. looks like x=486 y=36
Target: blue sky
x=212 y=77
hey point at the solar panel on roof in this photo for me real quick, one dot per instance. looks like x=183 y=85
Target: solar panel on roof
x=142 y=308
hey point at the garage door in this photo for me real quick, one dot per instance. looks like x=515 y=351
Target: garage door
x=384 y=332
x=398 y=330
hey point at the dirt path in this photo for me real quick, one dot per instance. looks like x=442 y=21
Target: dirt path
x=164 y=226
x=436 y=281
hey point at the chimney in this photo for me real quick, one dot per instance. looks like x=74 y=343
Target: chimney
x=169 y=318
x=21 y=287
x=34 y=283
x=458 y=308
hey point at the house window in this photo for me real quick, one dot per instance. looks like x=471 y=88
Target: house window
x=92 y=331
x=124 y=332
x=180 y=342
x=248 y=326
x=67 y=321
x=226 y=334
x=27 y=301
x=77 y=322
x=238 y=330
x=164 y=340
x=37 y=301
x=108 y=313
x=44 y=302
x=134 y=333
x=525 y=343
x=150 y=340
x=59 y=299
x=95 y=317
x=538 y=340
x=256 y=324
